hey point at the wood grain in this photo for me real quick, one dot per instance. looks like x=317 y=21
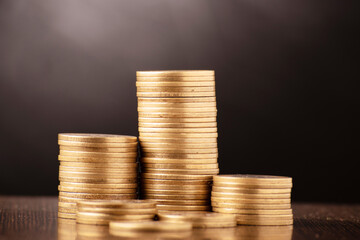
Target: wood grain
x=36 y=218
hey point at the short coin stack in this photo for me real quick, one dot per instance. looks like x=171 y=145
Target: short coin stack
x=101 y=212
x=178 y=137
x=255 y=199
x=95 y=166
x=200 y=219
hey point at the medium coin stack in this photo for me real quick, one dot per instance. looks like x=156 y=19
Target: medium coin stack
x=101 y=212
x=200 y=219
x=95 y=166
x=178 y=137
x=254 y=199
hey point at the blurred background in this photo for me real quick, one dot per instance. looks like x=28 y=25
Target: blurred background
x=285 y=82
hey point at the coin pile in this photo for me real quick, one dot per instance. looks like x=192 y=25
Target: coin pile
x=254 y=199
x=200 y=219
x=178 y=137
x=151 y=230
x=101 y=212
x=95 y=166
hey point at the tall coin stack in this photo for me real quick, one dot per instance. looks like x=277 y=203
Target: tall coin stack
x=95 y=166
x=178 y=137
x=254 y=199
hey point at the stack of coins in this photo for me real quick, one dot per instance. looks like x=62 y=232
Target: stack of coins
x=101 y=212
x=151 y=230
x=95 y=166
x=255 y=199
x=200 y=219
x=178 y=137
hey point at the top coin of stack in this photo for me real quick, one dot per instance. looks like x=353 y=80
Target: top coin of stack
x=255 y=199
x=95 y=166
x=178 y=137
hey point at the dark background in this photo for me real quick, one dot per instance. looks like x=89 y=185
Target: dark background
x=285 y=72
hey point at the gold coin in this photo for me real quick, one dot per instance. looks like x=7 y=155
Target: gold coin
x=256 y=191
x=193 y=185
x=177 y=176
x=180 y=151
x=176 y=192
x=150 y=226
x=253 y=185
x=250 y=206
x=150 y=235
x=69 y=205
x=98 y=180
x=177 y=100
x=252 y=200
x=198 y=218
x=175 y=94
x=116 y=211
x=178 y=161
x=179 y=145
x=97 y=154
x=171 y=89
x=251 y=196
x=175 y=84
x=97 y=195
x=175 y=79
x=96 y=159
x=67 y=210
x=178 y=130
x=96 y=138
x=119 y=204
x=198 y=202
x=180 y=166
x=98 y=175
x=177 y=120
x=164 y=115
x=157 y=104
x=100 y=165
x=168 y=207
x=113 y=217
x=176 y=197
x=253 y=211
x=178 y=125
x=177 y=111
x=67 y=215
x=99 y=185
x=263 y=218
x=253 y=179
x=180 y=155
x=201 y=136
x=96 y=190
x=97 y=145
x=104 y=170
x=264 y=222
x=176 y=73
x=182 y=171
x=100 y=150
x=68 y=200
x=178 y=140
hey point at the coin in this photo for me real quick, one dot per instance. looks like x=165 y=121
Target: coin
x=173 y=115
x=178 y=130
x=182 y=171
x=66 y=215
x=249 y=206
x=67 y=210
x=253 y=179
x=247 y=190
x=177 y=176
x=176 y=192
x=177 y=120
x=178 y=161
x=158 y=104
x=104 y=170
x=104 y=180
x=99 y=165
x=176 y=84
x=99 y=185
x=109 y=216
x=186 y=183
x=175 y=73
x=253 y=211
x=180 y=150
x=96 y=138
x=180 y=166
x=97 y=195
x=67 y=204
x=245 y=220
x=121 y=211
x=251 y=196
x=97 y=145
x=174 y=89
x=252 y=200
x=96 y=159
x=178 y=140
x=119 y=204
x=97 y=154
x=175 y=94
x=168 y=207
x=179 y=145
x=253 y=186
x=180 y=155
x=187 y=202
x=175 y=79
x=97 y=149
x=98 y=175
x=177 y=100
x=176 y=197
x=150 y=226
x=96 y=190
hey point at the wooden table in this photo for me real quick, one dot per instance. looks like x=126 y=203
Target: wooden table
x=36 y=218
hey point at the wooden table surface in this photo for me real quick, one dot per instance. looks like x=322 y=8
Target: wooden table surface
x=36 y=218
